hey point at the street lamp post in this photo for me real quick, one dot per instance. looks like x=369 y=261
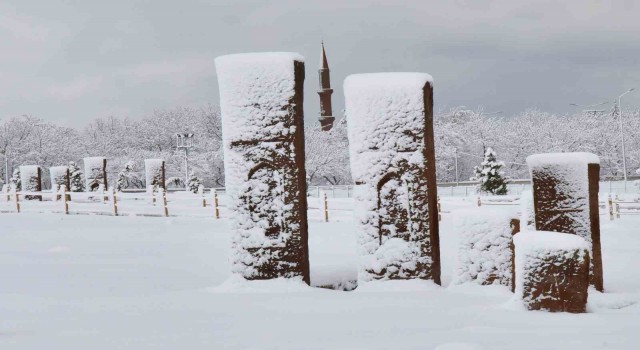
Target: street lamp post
x=185 y=142
x=624 y=154
x=457 y=179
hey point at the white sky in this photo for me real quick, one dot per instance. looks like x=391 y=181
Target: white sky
x=72 y=61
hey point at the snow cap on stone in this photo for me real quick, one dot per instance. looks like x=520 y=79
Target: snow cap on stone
x=577 y=158
x=384 y=110
x=255 y=87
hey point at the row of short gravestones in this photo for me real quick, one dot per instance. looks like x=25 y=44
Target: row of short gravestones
x=95 y=175
x=392 y=158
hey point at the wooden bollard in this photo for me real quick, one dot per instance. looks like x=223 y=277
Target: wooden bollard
x=617 y=211
x=163 y=201
x=325 y=207
x=439 y=210
x=114 y=201
x=202 y=197
x=215 y=203
x=65 y=199
x=16 y=200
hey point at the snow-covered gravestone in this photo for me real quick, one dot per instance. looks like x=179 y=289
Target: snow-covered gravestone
x=263 y=133
x=154 y=172
x=485 y=251
x=31 y=180
x=95 y=172
x=59 y=177
x=565 y=199
x=552 y=271
x=390 y=128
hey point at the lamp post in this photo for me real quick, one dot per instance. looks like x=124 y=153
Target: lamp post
x=457 y=178
x=185 y=142
x=6 y=168
x=624 y=155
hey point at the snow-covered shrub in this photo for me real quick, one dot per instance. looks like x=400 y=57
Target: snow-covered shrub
x=95 y=173
x=552 y=271
x=565 y=194
x=194 y=182
x=394 y=174
x=154 y=172
x=490 y=177
x=263 y=135
x=15 y=179
x=127 y=177
x=485 y=248
x=59 y=176
x=75 y=178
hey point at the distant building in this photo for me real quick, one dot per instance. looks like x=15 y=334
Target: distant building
x=326 y=114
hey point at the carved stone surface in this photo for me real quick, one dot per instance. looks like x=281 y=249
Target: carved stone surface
x=154 y=172
x=565 y=199
x=552 y=271
x=390 y=126
x=95 y=173
x=261 y=98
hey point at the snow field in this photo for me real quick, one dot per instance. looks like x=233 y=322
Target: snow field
x=97 y=282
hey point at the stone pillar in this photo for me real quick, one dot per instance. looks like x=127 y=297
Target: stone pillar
x=154 y=172
x=261 y=97
x=552 y=271
x=95 y=172
x=565 y=199
x=390 y=127
x=59 y=177
x=31 y=180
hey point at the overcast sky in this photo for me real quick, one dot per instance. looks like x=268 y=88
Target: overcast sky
x=72 y=61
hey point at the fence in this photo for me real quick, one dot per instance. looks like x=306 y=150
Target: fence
x=110 y=202
x=153 y=203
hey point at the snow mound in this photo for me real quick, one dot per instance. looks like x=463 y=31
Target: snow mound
x=413 y=285
x=238 y=284
x=459 y=346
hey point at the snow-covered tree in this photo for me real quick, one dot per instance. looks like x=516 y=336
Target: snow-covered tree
x=489 y=175
x=15 y=179
x=75 y=178
x=128 y=178
x=194 y=182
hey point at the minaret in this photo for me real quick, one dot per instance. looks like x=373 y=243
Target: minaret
x=326 y=117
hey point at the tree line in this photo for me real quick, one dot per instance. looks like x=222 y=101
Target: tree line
x=460 y=133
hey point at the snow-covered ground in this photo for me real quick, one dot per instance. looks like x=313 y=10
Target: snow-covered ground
x=100 y=282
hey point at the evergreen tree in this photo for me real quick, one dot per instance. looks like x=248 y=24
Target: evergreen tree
x=490 y=178
x=75 y=178
x=15 y=179
x=194 y=182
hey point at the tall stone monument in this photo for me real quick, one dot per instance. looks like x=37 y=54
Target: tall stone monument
x=59 y=177
x=154 y=172
x=565 y=199
x=95 y=172
x=31 y=180
x=390 y=127
x=261 y=97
